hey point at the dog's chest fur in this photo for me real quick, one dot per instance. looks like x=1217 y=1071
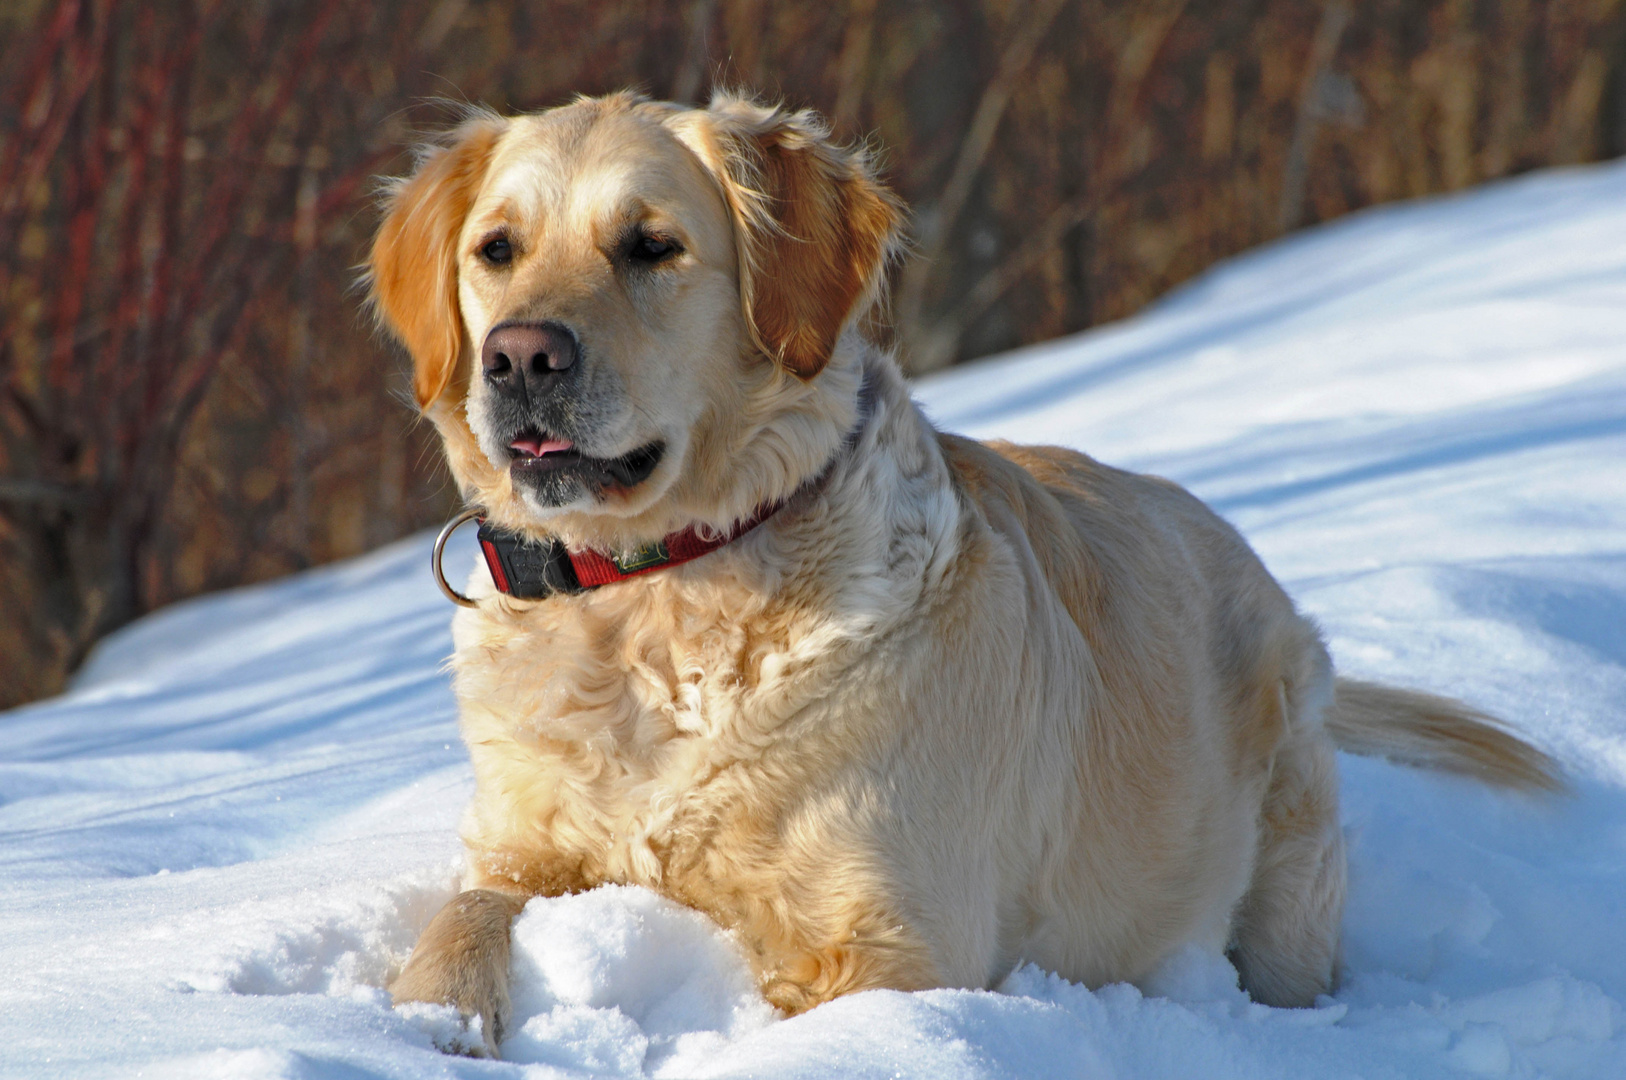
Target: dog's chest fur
x=593 y=727
x=606 y=729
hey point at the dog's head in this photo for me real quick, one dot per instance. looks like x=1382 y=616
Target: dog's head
x=622 y=314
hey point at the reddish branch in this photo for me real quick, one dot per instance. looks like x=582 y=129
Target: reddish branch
x=158 y=259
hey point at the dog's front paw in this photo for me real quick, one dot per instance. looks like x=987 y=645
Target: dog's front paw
x=450 y=1030
x=461 y=961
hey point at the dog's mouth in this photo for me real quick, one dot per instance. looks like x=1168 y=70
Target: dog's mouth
x=540 y=456
x=535 y=450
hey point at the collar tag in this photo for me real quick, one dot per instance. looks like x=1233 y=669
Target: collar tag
x=642 y=558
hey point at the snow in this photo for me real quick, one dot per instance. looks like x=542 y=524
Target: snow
x=217 y=847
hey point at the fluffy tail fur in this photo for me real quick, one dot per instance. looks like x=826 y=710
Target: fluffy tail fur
x=1436 y=733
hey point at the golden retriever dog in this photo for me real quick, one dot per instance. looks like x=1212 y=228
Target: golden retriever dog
x=897 y=708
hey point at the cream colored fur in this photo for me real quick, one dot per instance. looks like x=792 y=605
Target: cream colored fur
x=954 y=707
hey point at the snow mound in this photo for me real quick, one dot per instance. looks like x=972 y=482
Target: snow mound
x=345 y=942
x=218 y=849
x=623 y=982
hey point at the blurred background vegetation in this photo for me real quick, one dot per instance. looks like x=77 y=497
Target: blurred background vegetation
x=191 y=399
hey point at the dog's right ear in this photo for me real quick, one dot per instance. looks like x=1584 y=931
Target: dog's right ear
x=412 y=271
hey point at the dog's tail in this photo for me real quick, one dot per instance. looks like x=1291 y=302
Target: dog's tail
x=1436 y=733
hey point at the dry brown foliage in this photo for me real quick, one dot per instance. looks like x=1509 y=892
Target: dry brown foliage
x=190 y=399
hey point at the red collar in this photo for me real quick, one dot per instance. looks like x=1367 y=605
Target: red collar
x=531 y=570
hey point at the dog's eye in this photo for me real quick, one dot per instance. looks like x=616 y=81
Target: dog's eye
x=651 y=249
x=498 y=252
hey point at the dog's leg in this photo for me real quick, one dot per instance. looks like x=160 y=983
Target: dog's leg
x=462 y=960
x=813 y=975
x=1285 y=933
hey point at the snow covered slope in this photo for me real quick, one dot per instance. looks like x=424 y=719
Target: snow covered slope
x=215 y=849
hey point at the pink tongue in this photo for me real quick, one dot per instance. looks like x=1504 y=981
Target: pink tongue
x=538 y=447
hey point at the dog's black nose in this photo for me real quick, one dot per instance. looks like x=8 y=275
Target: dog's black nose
x=516 y=353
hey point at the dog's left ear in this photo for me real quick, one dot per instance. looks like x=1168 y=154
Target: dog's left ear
x=813 y=227
x=412 y=271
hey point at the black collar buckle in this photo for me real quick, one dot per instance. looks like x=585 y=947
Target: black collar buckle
x=525 y=569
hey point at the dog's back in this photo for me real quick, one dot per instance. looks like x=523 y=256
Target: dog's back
x=1152 y=576
x=1202 y=724
x=1204 y=665
x=1407 y=726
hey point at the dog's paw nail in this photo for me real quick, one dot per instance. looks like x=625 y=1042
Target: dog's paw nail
x=449 y=1030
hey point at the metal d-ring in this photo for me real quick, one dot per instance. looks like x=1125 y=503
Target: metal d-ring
x=440 y=546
